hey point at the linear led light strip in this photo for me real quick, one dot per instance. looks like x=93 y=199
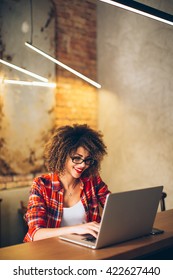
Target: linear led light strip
x=24 y=71
x=26 y=83
x=63 y=65
x=142 y=9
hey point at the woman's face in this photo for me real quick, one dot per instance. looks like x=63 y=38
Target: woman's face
x=78 y=162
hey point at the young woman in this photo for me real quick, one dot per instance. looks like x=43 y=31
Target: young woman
x=68 y=198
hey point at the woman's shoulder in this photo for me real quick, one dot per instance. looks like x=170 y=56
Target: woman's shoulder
x=92 y=179
x=48 y=181
x=43 y=179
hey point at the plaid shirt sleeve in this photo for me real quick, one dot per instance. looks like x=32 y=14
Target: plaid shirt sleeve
x=36 y=215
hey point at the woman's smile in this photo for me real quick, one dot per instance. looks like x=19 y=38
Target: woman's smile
x=79 y=170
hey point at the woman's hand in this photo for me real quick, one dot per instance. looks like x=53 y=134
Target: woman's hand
x=88 y=228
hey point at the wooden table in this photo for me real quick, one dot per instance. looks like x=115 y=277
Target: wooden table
x=141 y=248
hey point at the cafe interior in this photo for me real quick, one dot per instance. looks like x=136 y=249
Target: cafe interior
x=97 y=62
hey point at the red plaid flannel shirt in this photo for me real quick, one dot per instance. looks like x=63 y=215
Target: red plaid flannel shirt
x=45 y=206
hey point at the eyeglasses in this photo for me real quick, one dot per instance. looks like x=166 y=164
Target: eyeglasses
x=78 y=160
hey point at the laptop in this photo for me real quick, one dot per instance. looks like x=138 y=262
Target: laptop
x=126 y=215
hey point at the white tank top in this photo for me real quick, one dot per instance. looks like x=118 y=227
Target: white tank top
x=73 y=215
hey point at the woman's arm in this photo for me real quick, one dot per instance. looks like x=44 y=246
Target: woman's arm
x=88 y=228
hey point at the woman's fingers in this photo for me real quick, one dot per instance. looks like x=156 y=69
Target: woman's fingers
x=88 y=228
x=94 y=228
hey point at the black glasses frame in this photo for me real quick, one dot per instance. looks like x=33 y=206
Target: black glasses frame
x=79 y=160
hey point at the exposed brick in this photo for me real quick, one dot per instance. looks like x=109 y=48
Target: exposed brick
x=4 y=179
x=27 y=177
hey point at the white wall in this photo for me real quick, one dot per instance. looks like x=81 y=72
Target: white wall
x=135 y=58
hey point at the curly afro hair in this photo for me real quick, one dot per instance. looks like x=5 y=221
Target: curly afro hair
x=66 y=140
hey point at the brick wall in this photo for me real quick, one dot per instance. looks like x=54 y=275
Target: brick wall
x=76 y=47
x=16 y=181
x=76 y=103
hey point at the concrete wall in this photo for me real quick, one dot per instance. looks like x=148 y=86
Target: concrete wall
x=135 y=58
x=26 y=113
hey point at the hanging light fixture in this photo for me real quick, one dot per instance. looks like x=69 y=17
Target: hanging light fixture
x=23 y=71
x=44 y=81
x=26 y=83
x=31 y=46
x=142 y=9
x=63 y=65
